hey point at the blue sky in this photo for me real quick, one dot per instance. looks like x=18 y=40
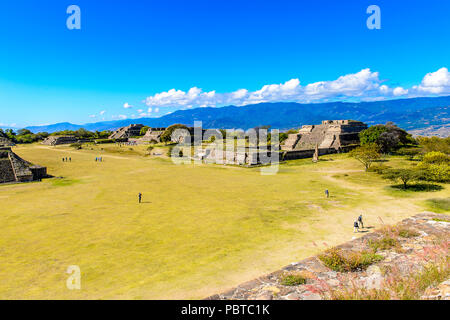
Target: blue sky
x=228 y=51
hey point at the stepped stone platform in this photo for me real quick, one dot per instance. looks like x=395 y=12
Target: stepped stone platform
x=59 y=140
x=153 y=135
x=431 y=228
x=331 y=134
x=15 y=169
x=127 y=132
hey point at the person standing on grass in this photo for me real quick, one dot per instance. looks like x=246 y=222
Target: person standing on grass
x=355 y=227
x=140 y=197
x=360 y=221
x=327 y=193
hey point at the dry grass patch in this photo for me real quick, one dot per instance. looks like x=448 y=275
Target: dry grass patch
x=341 y=261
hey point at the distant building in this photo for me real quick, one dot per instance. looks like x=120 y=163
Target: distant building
x=132 y=130
x=15 y=169
x=59 y=140
x=331 y=134
x=153 y=135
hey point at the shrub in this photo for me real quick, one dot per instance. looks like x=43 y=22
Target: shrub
x=434 y=268
x=380 y=169
x=339 y=261
x=385 y=243
x=435 y=157
x=398 y=231
x=292 y=279
x=410 y=153
x=407 y=233
x=436 y=172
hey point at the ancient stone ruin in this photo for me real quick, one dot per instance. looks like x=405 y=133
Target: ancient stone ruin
x=132 y=130
x=331 y=134
x=59 y=140
x=15 y=169
x=311 y=141
x=153 y=135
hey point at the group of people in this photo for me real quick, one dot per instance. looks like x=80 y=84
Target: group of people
x=99 y=159
x=129 y=143
x=358 y=224
x=67 y=159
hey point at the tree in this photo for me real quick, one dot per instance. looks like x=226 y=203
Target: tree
x=430 y=144
x=144 y=130
x=166 y=137
x=437 y=166
x=388 y=137
x=404 y=175
x=366 y=154
x=436 y=157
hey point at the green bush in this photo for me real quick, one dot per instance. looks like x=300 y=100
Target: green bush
x=380 y=168
x=292 y=279
x=384 y=243
x=407 y=233
x=436 y=157
x=339 y=261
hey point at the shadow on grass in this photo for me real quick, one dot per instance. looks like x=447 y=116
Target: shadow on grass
x=418 y=187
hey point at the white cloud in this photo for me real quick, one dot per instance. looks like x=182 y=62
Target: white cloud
x=436 y=82
x=120 y=116
x=364 y=85
x=399 y=91
x=127 y=106
x=102 y=112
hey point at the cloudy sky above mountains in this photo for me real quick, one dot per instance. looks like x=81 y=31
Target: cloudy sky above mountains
x=364 y=85
x=136 y=59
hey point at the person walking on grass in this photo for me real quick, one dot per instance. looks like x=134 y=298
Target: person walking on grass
x=140 y=197
x=327 y=193
x=360 y=221
x=355 y=227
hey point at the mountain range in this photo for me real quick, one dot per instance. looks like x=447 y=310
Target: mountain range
x=414 y=114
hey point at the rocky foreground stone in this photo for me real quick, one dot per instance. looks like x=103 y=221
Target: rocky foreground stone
x=406 y=258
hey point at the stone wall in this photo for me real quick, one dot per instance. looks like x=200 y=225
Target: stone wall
x=430 y=228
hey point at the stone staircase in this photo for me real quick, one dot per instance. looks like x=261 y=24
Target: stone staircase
x=291 y=142
x=20 y=167
x=6 y=171
x=328 y=141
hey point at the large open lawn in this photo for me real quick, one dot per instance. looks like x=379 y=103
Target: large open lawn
x=201 y=229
